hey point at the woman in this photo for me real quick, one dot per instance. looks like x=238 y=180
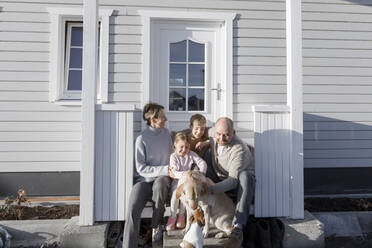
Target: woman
x=153 y=149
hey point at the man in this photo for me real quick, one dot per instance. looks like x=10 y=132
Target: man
x=232 y=169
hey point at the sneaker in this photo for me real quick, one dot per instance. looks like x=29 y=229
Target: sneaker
x=157 y=234
x=171 y=224
x=235 y=239
x=181 y=224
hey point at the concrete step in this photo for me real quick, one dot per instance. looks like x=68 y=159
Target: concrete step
x=173 y=239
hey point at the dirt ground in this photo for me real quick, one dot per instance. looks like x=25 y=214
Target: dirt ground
x=39 y=212
x=68 y=211
x=338 y=204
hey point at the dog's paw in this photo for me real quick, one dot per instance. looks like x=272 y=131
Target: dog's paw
x=220 y=235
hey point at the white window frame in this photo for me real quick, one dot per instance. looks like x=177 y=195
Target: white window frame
x=70 y=94
x=57 y=87
x=226 y=35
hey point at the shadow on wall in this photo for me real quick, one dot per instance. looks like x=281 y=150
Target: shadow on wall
x=338 y=155
x=361 y=2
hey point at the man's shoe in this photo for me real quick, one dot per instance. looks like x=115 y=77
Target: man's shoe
x=235 y=239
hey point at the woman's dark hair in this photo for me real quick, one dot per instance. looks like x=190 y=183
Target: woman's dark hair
x=151 y=110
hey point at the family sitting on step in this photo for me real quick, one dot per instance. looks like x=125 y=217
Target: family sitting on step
x=162 y=159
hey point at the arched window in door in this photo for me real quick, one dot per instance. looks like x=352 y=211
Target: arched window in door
x=187 y=76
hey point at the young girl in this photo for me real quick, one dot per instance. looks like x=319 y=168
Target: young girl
x=180 y=161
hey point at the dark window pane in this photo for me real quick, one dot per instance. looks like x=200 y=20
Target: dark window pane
x=196 y=99
x=178 y=51
x=74 y=80
x=177 y=75
x=196 y=75
x=77 y=36
x=76 y=58
x=177 y=99
x=196 y=52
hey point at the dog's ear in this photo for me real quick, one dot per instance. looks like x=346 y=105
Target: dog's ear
x=191 y=219
x=179 y=191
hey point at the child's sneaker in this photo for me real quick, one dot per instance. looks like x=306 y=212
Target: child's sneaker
x=171 y=224
x=181 y=224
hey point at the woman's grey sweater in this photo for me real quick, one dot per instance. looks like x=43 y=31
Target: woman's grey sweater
x=152 y=151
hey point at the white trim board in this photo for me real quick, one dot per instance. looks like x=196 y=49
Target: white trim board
x=226 y=20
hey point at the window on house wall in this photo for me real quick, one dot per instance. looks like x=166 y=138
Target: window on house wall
x=186 y=76
x=73 y=69
x=66 y=67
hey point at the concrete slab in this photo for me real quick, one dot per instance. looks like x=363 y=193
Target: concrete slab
x=305 y=233
x=34 y=233
x=75 y=236
x=346 y=224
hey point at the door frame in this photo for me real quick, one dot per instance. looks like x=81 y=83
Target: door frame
x=225 y=19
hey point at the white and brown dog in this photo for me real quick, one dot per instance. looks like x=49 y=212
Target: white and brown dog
x=218 y=208
x=194 y=236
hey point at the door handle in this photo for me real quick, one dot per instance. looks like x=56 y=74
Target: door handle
x=218 y=89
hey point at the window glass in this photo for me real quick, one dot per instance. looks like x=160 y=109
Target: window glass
x=196 y=99
x=196 y=52
x=186 y=76
x=177 y=75
x=76 y=58
x=177 y=99
x=178 y=51
x=196 y=75
x=77 y=36
x=74 y=80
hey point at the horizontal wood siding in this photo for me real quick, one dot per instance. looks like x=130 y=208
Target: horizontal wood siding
x=35 y=135
x=272 y=164
x=113 y=164
x=258 y=53
x=337 y=45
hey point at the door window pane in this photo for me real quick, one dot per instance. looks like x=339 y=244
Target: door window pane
x=177 y=74
x=196 y=75
x=177 y=99
x=196 y=52
x=74 y=80
x=196 y=99
x=178 y=51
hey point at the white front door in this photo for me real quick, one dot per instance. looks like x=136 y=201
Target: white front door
x=185 y=62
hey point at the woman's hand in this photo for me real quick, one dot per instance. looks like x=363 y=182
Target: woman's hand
x=170 y=172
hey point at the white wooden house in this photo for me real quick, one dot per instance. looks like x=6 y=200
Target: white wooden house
x=295 y=78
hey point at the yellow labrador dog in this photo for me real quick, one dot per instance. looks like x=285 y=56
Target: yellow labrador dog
x=218 y=208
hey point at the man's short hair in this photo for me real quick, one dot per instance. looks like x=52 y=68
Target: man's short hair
x=151 y=110
x=199 y=118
